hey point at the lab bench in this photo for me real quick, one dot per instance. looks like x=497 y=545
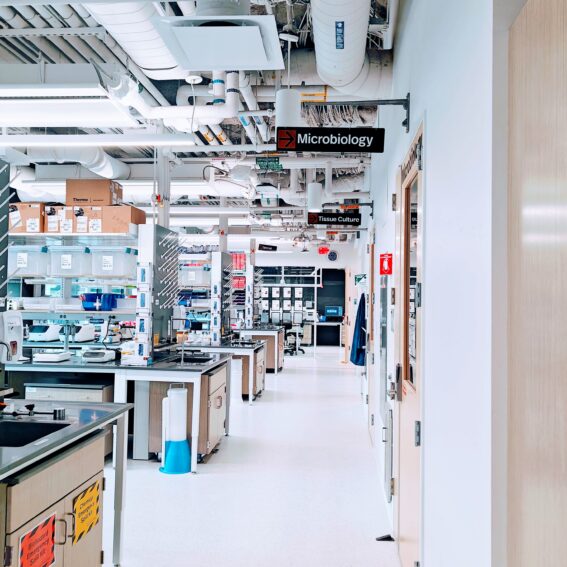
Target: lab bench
x=164 y=372
x=252 y=354
x=274 y=337
x=51 y=482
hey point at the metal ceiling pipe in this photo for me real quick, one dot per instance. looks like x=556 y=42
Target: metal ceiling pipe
x=292 y=162
x=250 y=100
x=184 y=116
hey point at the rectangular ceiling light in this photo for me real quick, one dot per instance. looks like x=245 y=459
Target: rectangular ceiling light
x=61 y=113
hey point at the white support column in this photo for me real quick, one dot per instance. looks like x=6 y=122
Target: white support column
x=164 y=186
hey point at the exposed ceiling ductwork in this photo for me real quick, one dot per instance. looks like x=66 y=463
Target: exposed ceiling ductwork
x=132 y=26
x=340 y=29
x=93 y=159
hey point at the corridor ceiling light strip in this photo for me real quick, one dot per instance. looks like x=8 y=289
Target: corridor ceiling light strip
x=121 y=141
x=44 y=90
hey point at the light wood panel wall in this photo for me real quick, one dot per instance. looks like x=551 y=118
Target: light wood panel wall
x=537 y=418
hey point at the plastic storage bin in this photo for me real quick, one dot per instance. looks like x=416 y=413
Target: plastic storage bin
x=75 y=261
x=115 y=262
x=99 y=301
x=28 y=261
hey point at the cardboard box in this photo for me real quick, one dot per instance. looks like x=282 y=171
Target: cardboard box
x=53 y=215
x=87 y=219
x=66 y=220
x=118 y=219
x=94 y=215
x=93 y=192
x=78 y=220
x=26 y=217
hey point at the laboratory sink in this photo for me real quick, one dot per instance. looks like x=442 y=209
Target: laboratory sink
x=194 y=359
x=18 y=433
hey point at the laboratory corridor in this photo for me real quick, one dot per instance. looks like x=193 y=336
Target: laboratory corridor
x=295 y=484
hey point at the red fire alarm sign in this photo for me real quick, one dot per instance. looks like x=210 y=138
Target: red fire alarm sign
x=386 y=268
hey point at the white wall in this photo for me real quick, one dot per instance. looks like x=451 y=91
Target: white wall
x=443 y=56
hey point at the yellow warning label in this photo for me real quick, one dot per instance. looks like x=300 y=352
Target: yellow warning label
x=86 y=507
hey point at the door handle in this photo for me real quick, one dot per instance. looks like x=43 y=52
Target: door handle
x=73 y=524
x=384 y=434
x=65 y=535
x=218 y=401
x=392 y=391
x=398 y=385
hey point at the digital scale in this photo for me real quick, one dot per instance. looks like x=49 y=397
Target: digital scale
x=98 y=355
x=52 y=355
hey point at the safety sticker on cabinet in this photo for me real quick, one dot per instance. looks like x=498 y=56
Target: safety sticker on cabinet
x=37 y=547
x=86 y=507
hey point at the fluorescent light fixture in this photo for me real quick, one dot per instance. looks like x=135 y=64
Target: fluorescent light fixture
x=43 y=90
x=139 y=140
x=57 y=113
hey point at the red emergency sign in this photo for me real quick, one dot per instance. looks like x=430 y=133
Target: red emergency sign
x=386 y=265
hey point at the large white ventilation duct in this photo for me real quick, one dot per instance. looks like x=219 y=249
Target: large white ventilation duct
x=223 y=8
x=94 y=159
x=340 y=28
x=131 y=25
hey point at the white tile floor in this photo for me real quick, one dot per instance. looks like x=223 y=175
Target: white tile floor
x=295 y=485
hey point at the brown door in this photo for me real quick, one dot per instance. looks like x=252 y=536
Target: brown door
x=83 y=513
x=408 y=302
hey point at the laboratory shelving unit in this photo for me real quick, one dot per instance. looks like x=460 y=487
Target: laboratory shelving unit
x=221 y=295
x=66 y=310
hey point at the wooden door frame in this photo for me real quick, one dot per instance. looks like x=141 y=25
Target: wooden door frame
x=408 y=172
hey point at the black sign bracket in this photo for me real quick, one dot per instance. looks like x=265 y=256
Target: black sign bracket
x=404 y=102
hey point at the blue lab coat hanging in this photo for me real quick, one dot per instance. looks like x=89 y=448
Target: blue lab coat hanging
x=358 y=352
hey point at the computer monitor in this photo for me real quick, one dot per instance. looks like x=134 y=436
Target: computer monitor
x=286 y=317
x=297 y=317
x=264 y=319
x=333 y=311
x=276 y=317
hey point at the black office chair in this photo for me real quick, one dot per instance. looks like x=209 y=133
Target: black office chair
x=291 y=337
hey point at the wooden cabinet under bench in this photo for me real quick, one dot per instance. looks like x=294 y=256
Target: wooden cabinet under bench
x=51 y=514
x=213 y=411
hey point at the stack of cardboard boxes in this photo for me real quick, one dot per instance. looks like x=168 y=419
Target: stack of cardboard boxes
x=92 y=206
